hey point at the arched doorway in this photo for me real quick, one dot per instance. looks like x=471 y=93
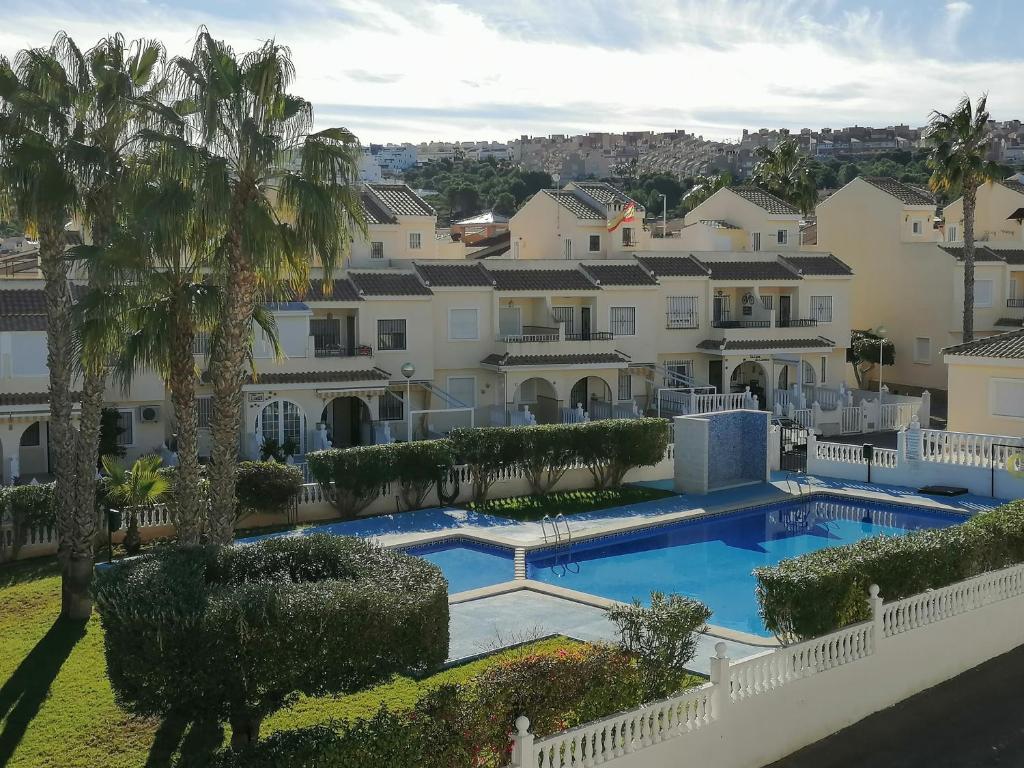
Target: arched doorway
x=284 y=423
x=753 y=375
x=348 y=422
x=588 y=390
x=784 y=377
x=540 y=397
x=32 y=458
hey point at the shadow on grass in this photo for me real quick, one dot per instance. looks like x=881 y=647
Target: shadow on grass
x=184 y=744
x=26 y=689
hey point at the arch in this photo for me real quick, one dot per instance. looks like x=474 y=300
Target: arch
x=810 y=376
x=751 y=374
x=32 y=449
x=589 y=389
x=349 y=421
x=281 y=420
x=783 y=377
x=540 y=396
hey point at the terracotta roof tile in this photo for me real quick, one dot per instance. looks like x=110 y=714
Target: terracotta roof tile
x=579 y=208
x=454 y=275
x=388 y=284
x=342 y=289
x=1009 y=346
x=540 y=280
x=31 y=398
x=905 y=193
x=324 y=377
x=818 y=265
x=750 y=270
x=764 y=200
x=604 y=193
x=23 y=309
x=512 y=361
x=673 y=266
x=373 y=211
x=619 y=274
x=766 y=344
x=401 y=200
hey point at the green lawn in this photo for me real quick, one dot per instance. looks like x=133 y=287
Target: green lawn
x=57 y=708
x=567 y=502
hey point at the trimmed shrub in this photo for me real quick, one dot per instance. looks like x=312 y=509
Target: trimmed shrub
x=266 y=486
x=234 y=633
x=662 y=638
x=352 y=478
x=27 y=507
x=545 y=454
x=487 y=452
x=416 y=466
x=822 y=591
x=610 y=448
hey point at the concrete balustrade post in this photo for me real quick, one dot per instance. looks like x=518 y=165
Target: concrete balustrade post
x=522 y=743
x=878 y=625
x=720 y=680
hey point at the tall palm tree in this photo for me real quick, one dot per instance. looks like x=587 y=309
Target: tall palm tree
x=704 y=186
x=958 y=157
x=786 y=172
x=291 y=197
x=156 y=293
x=39 y=131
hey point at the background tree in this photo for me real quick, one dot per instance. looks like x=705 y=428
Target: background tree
x=131 y=489
x=291 y=196
x=39 y=150
x=959 y=145
x=786 y=172
x=704 y=186
x=864 y=352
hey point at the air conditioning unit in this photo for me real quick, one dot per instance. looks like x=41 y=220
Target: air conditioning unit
x=149 y=413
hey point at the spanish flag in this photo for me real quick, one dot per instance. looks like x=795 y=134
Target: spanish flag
x=626 y=215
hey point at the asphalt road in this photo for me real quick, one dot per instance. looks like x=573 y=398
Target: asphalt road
x=975 y=720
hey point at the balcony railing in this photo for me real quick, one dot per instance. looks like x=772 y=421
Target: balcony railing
x=590 y=336
x=741 y=323
x=341 y=350
x=794 y=323
x=681 y=320
x=1015 y=303
x=531 y=334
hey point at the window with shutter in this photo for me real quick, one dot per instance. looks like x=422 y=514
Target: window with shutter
x=682 y=312
x=623 y=321
x=463 y=389
x=821 y=309
x=1006 y=397
x=463 y=324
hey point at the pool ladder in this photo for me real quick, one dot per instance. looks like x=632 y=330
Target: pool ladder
x=558 y=522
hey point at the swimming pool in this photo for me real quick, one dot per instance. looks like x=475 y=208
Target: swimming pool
x=467 y=564
x=712 y=558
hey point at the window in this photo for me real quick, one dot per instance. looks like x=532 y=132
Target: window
x=918 y=228
x=679 y=372
x=568 y=248
x=326 y=332
x=463 y=389
x=821 y=309
x=528 y=391
x=377 y=250
x=755 y=241
x=824 y=369
x=515 y=249
x=509 y=321
x=1006 y=397
x=565 y=316
x=390 y=335
x=415 y=241
x=983 y=293
x=782 y=237
x=952 y=234
x=30 y=437
x=281 y=421
x=125 y=428
x=201 y=343
x=682 y=312
x=922 y=349
x=768 y=302
x=808 y=371
x=623 y=321
x=627 y=236
x=625 y=385
x=463 y=324
x=392 y=407
x=595 y=243
x=204 y=412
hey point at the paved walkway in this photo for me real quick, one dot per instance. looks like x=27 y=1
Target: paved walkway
x=975 y=720
x=488 y=624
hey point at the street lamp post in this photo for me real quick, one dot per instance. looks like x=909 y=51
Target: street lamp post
x=880 y=332
x=408 y=369
x=664 y=216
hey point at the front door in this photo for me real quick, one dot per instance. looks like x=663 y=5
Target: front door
x=715 y=374
x=585 y=323
x=785 y=308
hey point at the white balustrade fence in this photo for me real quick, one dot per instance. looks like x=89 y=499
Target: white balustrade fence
x=764 y=707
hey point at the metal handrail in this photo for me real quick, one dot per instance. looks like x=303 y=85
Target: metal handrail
x=741 y=324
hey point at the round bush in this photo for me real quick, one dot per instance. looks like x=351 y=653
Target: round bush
x=266 y=486
x=234 y=633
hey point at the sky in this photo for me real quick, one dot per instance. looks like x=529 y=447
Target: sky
x=412 y=70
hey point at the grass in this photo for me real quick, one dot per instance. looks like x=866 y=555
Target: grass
x=567 y=502
x=57 y=709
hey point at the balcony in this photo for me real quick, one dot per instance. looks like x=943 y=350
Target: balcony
x=795 y=323
x=550 y=340
x=722 y=323
x=1015 y=303
x=340 y=350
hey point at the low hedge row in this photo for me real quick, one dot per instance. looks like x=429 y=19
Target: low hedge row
x=820 y=592
x=354 y=477
x=233 y=633
x=27 y=507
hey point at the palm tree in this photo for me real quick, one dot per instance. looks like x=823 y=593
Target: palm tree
x=141 y=486
x=704 y=186
x=153 y=270
x=39 y=94
x=959 y=145
x=786 y=173
x=291 y=197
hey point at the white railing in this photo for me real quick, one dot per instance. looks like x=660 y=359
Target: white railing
x=803 y=417
x=729 y=699
x=847 y=453
x=601 y=410
x=896 y=415
x=827 y=398
x=573 y=415
x=968 y=449
x=850 y=420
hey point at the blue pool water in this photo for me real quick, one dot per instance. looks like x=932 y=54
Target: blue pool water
x=468 y=565
x=712 y=559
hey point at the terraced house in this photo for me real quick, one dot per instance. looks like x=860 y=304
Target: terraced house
x=535 y=331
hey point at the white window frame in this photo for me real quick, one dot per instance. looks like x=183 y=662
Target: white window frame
x=376 y=249
x=917 y=358
x=611 y=322
x=755 y=241
x=415 y=241
x=476 y=312
x=951 y=236
x=405 y=333
x=681 y=318
x=824 y=369
x=448 y=387
x=917 y=227
x=782 y=237
x=387 y=415
x=992 y=382
x=131 y=433
x=567 y=246
x=625 y=377
x=686 y=367
x=991 y=294
x=590 y=244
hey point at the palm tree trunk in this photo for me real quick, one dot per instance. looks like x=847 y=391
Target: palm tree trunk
x=74 y=529
x=970 y=194
x=227 y=360
x=187 y=500
x=88 y=456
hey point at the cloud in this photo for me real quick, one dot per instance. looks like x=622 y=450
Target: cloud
x=948 y=32
x=372 y=77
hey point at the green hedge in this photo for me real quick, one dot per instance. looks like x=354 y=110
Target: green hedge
x=822 y=591
x=612 y=447
x=266 y=486
x=487 y=452
x=233 y=633
x=27 y=507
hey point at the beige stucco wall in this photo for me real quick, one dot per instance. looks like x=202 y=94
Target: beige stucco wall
x=995 y=204
x=970 y=404
x=541 y=227
x=730 y=207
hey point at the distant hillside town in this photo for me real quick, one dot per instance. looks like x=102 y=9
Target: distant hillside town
x=678 y=153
